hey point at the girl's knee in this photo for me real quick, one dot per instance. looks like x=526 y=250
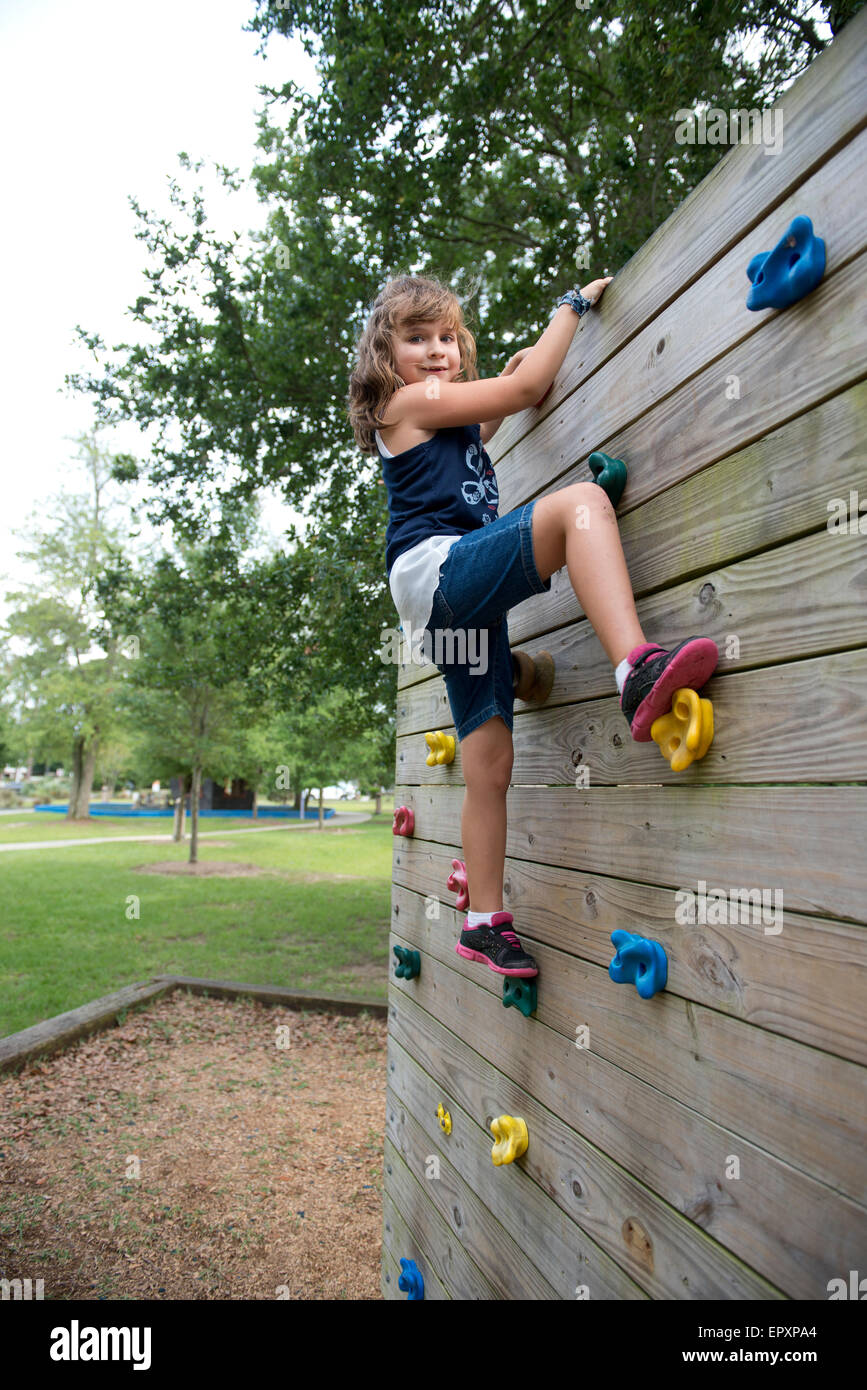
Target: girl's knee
x=583 y=500
x=585 y=494
x=488 y=763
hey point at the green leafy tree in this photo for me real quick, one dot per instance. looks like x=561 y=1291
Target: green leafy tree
x=64 y=690
x=319 y=745
x=190 y=653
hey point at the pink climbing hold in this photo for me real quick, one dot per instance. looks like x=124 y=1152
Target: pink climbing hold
x=457 y=883
x=404 y=821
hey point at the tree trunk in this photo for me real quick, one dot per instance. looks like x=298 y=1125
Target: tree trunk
x=85 y=787
x=29 y=767
x=77 y=745
x=178 y=827
x=378 y=810
x=321 y=806
x=194 y=813
x=256 y=795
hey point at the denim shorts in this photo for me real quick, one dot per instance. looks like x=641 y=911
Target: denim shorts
x=486 y=572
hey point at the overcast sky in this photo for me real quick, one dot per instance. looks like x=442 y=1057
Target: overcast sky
x=96 y=100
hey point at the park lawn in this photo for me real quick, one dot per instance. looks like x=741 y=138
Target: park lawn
x=52 y=825
x=316 y=917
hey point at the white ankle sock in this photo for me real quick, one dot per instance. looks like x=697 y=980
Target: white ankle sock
x=475 y=919
x=621 y=673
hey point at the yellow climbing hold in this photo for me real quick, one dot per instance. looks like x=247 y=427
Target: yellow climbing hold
x=686 y=733
x=512 y=1139
x=442 y=748
x=444 y=1118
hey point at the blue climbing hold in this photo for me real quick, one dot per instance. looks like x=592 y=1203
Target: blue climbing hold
x=638 y=962
x=408 y=963
x=520 y=994
x=410 y=1281
x=794 y=268
x=610 y=474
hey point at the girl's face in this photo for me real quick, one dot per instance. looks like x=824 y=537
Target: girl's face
x=427 y=350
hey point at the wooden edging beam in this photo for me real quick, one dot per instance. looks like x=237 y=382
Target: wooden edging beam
x=55 y=1033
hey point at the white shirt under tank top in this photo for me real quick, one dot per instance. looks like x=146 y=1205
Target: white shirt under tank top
x=415 y=575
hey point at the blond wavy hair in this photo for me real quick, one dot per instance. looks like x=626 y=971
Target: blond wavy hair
x=406 y=299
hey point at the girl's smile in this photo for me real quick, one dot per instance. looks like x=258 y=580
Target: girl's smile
x=427 y=349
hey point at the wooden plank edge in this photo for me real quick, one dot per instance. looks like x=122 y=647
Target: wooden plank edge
x=53 y=1034
x=277 y=994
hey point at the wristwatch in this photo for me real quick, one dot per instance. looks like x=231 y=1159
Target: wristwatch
x=576 y=301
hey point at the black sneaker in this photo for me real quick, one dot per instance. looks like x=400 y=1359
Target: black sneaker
x=657 y=673
x=497 y=947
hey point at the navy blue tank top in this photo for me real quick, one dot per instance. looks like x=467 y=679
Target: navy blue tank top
x=444 y=486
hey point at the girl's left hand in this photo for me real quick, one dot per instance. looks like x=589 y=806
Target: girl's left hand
x=514 y=361
x=594 y=291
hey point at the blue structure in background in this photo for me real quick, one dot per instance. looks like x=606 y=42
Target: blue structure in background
x=107 y=808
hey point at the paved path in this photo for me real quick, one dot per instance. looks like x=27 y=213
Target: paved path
x=341 y=817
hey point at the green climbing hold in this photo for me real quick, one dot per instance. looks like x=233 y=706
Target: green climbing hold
x=519 y=993
x=610 y=474
x=408 y=963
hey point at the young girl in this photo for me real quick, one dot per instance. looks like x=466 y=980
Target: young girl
x=456 y=567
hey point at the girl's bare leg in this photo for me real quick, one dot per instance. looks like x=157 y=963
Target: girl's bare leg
x=577 y=527
x=487 y=756
x=593 y=553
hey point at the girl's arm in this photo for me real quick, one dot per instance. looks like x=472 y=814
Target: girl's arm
x=490 y=427
x=463 y=403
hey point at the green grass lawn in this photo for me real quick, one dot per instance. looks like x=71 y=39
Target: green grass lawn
x=25 y=826
x=317 y=918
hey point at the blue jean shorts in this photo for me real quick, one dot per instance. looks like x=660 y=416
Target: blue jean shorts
x=485 y=573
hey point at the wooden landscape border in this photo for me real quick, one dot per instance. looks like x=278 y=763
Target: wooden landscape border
x=53 y=1034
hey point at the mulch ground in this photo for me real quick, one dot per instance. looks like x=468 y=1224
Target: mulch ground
x=204 y=1149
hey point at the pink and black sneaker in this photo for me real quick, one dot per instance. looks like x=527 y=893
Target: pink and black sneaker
x=657 y=673
x=497 y=947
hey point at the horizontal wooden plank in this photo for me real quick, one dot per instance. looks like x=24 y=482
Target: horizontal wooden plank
x=806 y=842
x=398 y=1242
x=556 y=743
x=709 y=324
x=817 y=999
x=797 y=470
x=794 y=1231
x=651 y=1252
x=804 y=1105
x=746 y=608
x=429 y=1236
x=822 y=112
x=787 y=377
x=487 y=1241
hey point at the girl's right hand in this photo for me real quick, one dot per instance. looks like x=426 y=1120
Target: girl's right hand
x=593 y=291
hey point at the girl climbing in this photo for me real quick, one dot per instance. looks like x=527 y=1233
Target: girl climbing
x=456 y=567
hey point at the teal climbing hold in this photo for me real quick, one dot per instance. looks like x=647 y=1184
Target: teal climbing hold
x=610 y=474
x=795 y=266
x=519 y=994
x=408 y=963
x=640 y=962
x=411 y=1281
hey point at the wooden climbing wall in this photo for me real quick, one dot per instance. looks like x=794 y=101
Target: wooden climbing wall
x=709 y=1143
